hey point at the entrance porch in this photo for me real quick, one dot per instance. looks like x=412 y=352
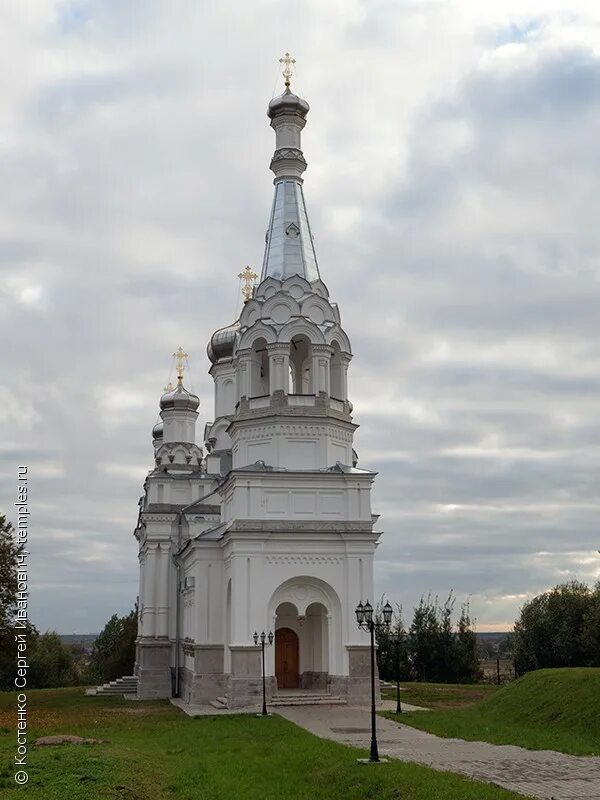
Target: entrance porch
x=301 y=648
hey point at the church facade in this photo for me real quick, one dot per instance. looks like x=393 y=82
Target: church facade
x=268 y=527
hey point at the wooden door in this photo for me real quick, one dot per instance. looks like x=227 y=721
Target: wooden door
x=286 y=658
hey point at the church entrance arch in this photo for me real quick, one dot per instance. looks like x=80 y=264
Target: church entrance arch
x=287 y=658
x=310 y=609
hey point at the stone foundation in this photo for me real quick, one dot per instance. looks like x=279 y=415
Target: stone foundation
x=359 y=680
x=206 y=681
x=153 y=668
x=314 y=680
x=244 y=684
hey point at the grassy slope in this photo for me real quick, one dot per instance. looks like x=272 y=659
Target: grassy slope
x=555 y=709
x=153 y=752
x=441 y=695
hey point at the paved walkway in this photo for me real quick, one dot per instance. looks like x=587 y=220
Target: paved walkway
x=542 y=774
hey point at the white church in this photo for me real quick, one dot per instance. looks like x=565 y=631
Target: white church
x=268 y=527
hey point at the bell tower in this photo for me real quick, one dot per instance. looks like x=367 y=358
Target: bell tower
x=297 y=528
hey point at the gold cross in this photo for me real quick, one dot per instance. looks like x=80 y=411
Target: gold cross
x=287 y=69
x=247 y=278
x=180 y=358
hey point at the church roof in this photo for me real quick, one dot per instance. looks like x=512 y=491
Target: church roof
x=289 y=246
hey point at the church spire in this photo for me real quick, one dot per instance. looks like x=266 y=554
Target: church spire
x=289 y=248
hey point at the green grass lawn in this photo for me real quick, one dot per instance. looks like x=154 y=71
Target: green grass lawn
x=551 y=709
x=441 y=695
x=153 y=752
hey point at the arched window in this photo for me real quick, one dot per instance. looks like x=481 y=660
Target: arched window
x=301 y=365
x=336 y=378
x=259 y=376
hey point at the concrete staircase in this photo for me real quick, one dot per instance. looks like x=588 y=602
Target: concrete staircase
x=126 y=686
x=290 y=698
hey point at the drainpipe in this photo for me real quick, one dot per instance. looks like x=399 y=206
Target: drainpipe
x=177 y=600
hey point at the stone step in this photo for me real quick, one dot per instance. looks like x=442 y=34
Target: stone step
x=117 y=688
x=222 y=700
x=127 y=685
x=307 y=700
x=218 y=703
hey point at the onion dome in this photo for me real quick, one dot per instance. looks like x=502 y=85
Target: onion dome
x=221 y=343
x=157 y=432
x=287 y=103
x=179 y=399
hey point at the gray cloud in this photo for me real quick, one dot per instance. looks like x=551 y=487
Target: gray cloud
x=453 y=190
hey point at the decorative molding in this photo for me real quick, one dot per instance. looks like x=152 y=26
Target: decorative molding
x=294 y=429
x=286 y=153
x=301 y=559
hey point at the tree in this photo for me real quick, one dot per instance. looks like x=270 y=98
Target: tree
x=387 y=644
x=9 y=553
x=437 y=650
x=425 y=640
x=590 y=629
x=559 y=628
x=465 y=661
x=51 y=662
x=113 y=653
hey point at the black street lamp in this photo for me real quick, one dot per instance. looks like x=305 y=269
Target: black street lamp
x=263 y=639
x=364 y=618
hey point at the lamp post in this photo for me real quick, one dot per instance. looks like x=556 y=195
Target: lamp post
x=263 y=639
x=364 y=618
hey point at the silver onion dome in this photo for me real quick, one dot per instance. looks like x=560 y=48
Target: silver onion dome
x=157 y=432
x=289 y=103
x=221 y=343
x=179 y=399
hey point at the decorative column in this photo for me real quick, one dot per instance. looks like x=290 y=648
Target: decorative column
x=279 y=367
x=321 y=359
x=326 y=647
x=149 y=609
x=345 y=360
x=243 y=372
x=142 y=560
x=162 y=611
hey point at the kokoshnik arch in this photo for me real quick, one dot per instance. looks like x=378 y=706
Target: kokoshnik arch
x=270 y=525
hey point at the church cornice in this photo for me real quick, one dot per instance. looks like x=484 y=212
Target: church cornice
x=308 y=527
x=280 y=408
x=149 y=516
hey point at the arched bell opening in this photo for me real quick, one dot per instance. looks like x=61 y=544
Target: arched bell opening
x=259 y=375
x=301 y=365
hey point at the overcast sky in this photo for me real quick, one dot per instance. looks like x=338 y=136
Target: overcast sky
x=453 y=188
